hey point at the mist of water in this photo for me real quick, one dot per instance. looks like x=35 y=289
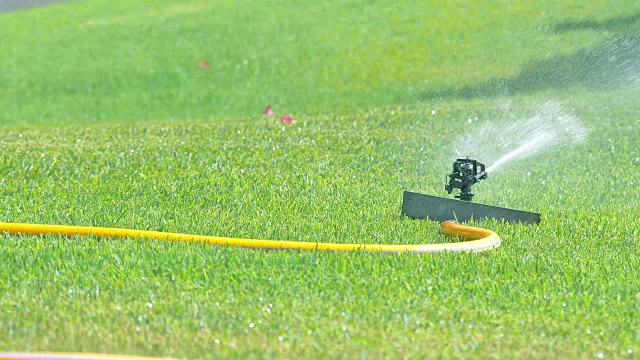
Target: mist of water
x=498 y=144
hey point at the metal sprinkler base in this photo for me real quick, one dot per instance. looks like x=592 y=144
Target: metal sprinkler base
x=421 y=206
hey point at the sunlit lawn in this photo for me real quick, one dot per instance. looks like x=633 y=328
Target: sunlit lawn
x=109 y=121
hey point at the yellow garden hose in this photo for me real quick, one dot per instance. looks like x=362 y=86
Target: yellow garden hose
x=475 y=239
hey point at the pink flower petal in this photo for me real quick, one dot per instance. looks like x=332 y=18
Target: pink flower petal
x=269 y=111
x=204 y=65
x=286 y=119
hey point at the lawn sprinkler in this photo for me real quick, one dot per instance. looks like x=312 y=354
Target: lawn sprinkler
x=466 y=173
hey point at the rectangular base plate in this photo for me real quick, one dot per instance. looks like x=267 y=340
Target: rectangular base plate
x=422 y=206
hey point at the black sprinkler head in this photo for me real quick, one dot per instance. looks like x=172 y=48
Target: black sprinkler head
x=466 y=172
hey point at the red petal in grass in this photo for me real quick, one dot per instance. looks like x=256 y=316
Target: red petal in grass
x=204 y=65
x=286 y=119
x=269 y=111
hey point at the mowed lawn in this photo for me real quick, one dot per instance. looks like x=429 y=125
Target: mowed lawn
x=109 y=119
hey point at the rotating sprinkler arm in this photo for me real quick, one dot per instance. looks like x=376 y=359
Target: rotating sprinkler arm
x=481 y=176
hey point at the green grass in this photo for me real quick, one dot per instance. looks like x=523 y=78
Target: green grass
x=174 y=153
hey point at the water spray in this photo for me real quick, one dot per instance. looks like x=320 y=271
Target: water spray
x=500 y=143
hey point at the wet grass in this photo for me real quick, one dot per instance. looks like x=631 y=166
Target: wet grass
x=567 y=288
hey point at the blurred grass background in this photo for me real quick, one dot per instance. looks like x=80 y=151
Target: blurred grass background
x=90 y=61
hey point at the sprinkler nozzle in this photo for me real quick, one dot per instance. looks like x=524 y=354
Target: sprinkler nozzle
x=466 y=172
